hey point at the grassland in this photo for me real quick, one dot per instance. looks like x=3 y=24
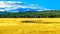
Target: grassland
x=15 y=26
x=42 y=22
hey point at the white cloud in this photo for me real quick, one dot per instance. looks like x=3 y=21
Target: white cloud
x=48 y=9
x=12 y=5
x=39 y=10
x=10 y=2
x=1 y=10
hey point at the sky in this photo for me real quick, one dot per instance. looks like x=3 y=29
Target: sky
x=49 y=4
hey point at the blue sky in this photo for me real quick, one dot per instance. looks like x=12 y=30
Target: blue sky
x=50 y=4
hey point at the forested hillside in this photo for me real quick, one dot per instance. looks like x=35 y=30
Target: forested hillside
x=30 y=14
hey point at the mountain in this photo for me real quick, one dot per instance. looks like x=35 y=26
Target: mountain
x=9 y=6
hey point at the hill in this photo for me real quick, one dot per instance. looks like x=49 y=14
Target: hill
x=31 y=14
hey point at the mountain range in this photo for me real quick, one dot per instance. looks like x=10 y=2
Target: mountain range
x=9 y=6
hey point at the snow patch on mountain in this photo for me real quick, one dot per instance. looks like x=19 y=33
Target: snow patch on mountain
x=15 y=6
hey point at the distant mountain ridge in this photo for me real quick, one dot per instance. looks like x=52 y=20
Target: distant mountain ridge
x=9 y=6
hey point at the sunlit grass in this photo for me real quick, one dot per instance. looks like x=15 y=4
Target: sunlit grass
x=14 y=26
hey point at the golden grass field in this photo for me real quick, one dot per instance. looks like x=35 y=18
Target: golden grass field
x=15 y=26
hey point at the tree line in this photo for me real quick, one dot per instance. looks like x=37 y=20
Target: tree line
x=40 y=14
x=26 y=16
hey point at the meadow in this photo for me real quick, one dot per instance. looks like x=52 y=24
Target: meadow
x=15 y=26
x=30 y=22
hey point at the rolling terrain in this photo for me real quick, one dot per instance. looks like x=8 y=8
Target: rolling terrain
x=31 y=14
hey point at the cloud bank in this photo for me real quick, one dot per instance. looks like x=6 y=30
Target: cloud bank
x=15 y=6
